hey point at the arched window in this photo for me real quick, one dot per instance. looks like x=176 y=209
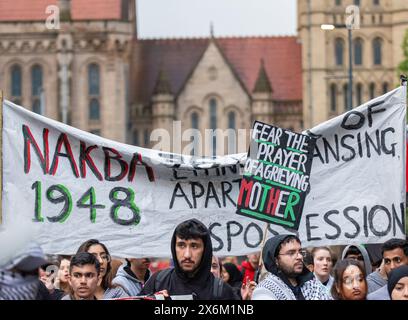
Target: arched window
x=194 y=120
x=16 y=83
x=337 y=2
x=196 y=136
x=345 y=97
x=213 y=124
x=146 y=138
x=359 y=93
x=136 y=138
x=93 y=79
x=94 y=92
x=36 y=80
x=372 y=90
x=333 y=98
x=232 y=141
x=358 y=52
x=37 y=106
x=377 y=51
x=94 y=110
x=385 y=87
x=231 y=120
x=357 y=2
x=339 y=51
x=36 y=87
x=376 y=2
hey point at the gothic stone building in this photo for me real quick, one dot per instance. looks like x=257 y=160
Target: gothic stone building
x=376 y=52
x=215 y=83
x=95 y=74
x=78 y=73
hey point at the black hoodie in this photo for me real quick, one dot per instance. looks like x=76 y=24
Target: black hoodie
x=178 y=282
x=269 y=260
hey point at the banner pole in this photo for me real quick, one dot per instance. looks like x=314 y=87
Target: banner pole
x=258 y=272
x=1 y=156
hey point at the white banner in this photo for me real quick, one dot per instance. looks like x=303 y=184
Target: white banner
x=75 y=186
x=358 y=175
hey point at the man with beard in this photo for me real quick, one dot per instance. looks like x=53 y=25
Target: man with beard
x=84 y=274
x=132 y=275
x=289 y=279
x=191 y=277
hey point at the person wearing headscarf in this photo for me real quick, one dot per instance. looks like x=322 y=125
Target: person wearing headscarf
x=398 y=283
x=288 y=278
x=232 y=276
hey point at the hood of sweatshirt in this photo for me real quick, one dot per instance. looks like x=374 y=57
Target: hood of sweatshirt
x=364 y=253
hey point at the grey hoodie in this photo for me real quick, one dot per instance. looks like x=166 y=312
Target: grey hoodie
x=130 y=284
x=364 y=253
x=375 y=281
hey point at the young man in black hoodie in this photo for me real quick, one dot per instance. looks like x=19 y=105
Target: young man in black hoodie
x=191 y=276
x=289 y=279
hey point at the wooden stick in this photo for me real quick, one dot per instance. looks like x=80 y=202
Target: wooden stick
x=262 y=246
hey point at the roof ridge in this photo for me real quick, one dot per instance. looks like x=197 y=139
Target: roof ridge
x=216 y=37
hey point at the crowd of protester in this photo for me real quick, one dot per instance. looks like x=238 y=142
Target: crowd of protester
x=195 y=272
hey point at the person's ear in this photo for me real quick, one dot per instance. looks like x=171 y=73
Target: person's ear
x=70 y=280
x=100 y=278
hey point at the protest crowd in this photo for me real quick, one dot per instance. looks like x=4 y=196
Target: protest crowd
x=110 y=255
x=284 y=270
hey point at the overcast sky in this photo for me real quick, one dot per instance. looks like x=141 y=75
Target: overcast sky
x=192 y=18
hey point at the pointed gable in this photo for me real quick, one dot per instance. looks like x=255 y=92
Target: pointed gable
x=283 y=62
x=176 y=57
x=162 y=84
x=179 y=58
x=262 y=83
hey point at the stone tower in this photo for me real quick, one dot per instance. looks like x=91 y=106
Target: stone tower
x=163 y=107
x=262 y=106
x=376 y=52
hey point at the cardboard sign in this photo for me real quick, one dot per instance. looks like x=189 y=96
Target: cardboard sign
x=276 y=176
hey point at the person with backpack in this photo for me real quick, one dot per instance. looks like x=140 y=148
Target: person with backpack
x=191 y=277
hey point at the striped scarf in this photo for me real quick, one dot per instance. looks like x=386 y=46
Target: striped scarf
x=13 y=286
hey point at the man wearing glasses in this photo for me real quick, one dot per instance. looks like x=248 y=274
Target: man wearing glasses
x=83 y=277
x=289 y=279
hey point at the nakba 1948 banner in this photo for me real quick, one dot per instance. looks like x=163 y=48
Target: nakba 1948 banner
x=73 y=186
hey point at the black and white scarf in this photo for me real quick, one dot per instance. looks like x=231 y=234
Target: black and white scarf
x=14 y=286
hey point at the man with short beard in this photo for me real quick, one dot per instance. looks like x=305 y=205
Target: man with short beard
x=289 y=279
x=191 y=277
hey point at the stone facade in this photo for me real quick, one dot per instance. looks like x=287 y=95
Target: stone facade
x=204 y=84
x=64 y=56
x=324 y=80
x=90 y=72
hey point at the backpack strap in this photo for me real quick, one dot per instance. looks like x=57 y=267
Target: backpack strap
x=161 y=275
x=217 y=288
